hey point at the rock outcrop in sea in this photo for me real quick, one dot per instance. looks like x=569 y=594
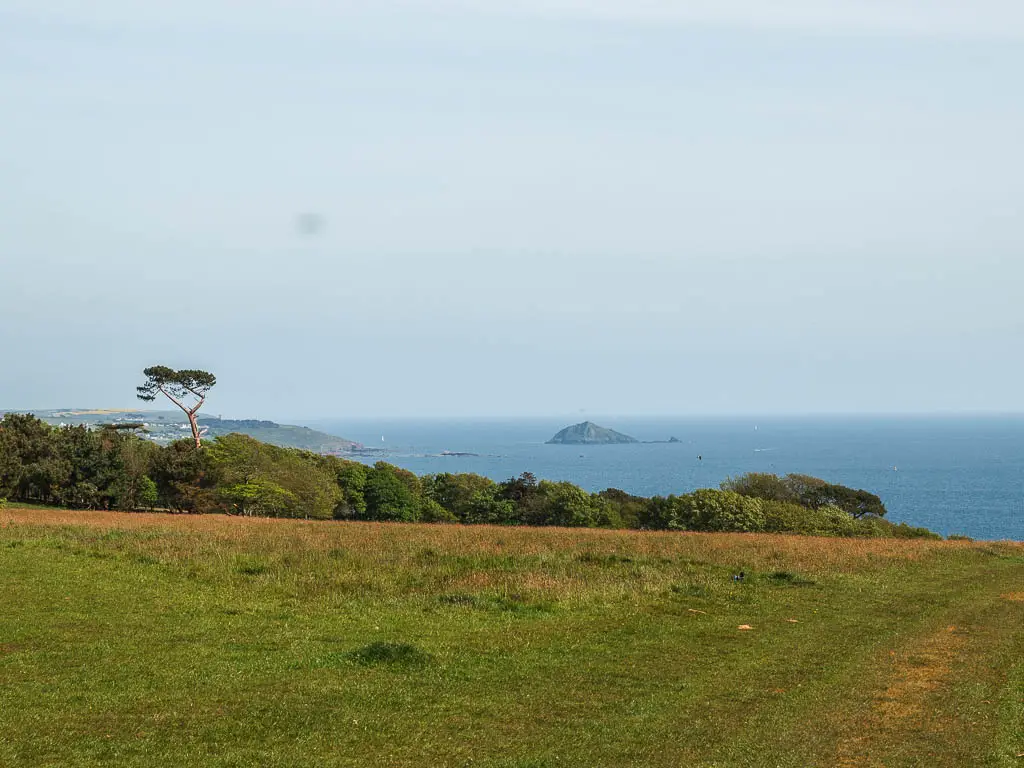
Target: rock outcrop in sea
x=589 y=433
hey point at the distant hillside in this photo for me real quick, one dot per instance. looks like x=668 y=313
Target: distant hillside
x=589 y=433
x=167 y=426
x=286 y=435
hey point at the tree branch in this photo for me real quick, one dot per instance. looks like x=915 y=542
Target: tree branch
x=197 y=394
x=173 y=399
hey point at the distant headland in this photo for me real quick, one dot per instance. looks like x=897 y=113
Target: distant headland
x=164 y=427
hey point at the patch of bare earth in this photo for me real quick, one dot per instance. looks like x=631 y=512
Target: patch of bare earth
x=903 y=706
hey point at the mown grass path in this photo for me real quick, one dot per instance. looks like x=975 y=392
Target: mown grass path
x=152 y=640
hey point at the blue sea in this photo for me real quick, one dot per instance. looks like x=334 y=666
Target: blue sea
x=951 y=474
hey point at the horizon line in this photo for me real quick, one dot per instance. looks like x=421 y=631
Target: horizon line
x=578 y=416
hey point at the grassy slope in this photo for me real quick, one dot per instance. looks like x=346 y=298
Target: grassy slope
x=166 y=641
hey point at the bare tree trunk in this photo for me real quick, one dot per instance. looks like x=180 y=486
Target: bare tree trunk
x=190 y=412
x=195 y=428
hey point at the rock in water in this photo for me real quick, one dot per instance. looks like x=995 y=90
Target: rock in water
x=588 y=433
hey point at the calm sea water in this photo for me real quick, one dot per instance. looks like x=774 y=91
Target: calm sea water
x=953 y=475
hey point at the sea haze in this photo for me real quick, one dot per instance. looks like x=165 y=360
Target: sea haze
x=951 y=474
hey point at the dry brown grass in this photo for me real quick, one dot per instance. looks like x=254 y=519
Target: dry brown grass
x=755 y=551
x=914 y=700
x=917 y=674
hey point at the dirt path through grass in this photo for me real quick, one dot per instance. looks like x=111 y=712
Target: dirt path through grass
x=941 y=697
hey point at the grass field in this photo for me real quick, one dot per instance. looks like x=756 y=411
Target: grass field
x=156 y=640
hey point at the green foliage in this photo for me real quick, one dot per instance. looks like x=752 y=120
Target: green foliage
x=175 y=384
x=904 y=531
x=712 y=510
x=350 y=479
x=32 y=467
x=707 y=510
x=808 y=491
x=148 y=492
x=488 y=508
x=255 y=478
x=569 y=505
x=71 y=466
x=391 y=494
x=10 y=462
x=518 y=488
x=182 y=476
x=761 y=485
x=816 y=493
x=432 y=512
x=784 y=517
x=461 y=494
x=624 y=507
x=132 y=487
x=790 y=517
x=260 y=498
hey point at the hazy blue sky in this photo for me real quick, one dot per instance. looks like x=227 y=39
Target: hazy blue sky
x=619 y=206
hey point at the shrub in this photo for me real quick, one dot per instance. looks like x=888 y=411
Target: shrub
x=148 y=495
x=486 y=507
x=658 y=512
x=624 y=509
x=788 y=517
x=569 y=505
x=815 y=492
x=259 y=498
x=465 y=495
x=904 y=531
x=432 y=512
x=872 y=527
x=390 y=654
x=708 y=510
x=807 y=491
x=760 y=485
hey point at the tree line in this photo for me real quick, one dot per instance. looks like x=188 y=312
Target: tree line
x=113 y=468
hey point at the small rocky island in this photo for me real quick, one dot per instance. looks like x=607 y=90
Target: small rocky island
x=589 y=433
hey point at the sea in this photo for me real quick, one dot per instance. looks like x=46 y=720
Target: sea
x=952 y=474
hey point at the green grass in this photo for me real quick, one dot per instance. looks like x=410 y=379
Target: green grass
x=147 y=640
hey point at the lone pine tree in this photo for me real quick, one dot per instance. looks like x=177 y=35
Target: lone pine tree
x=187 y=389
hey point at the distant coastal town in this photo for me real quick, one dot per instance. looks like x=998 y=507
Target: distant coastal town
x=164 y=427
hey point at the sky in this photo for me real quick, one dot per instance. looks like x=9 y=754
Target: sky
x=543 y=207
